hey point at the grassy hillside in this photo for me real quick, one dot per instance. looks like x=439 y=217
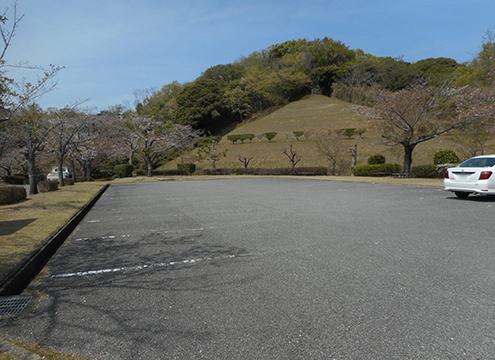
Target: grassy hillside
x=312 y=113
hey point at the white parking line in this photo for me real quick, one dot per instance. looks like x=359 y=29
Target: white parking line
x=101 y=237
x=142 y=267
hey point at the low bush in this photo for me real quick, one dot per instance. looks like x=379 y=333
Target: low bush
x=46 y=186
x=234 y=138
x=370 y=170
x=171 y=172
x=249 y=137
x=102 y=173
x=186 y=169
x=123 y=170
x=69 y=181
x=270 y=136
x=15 y=180
x=442 y=169
x=376 y=159
x=298 y=134
x=428 y=171
x=445 y=157
x=12 y=195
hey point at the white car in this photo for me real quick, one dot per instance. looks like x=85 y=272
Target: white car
x=54 y=174
x=474 y=176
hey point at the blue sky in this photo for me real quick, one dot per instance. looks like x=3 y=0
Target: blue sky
x=111 y=48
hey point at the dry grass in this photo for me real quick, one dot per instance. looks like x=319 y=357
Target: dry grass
x=312 y=113
x=38 y=350
x=25 y=225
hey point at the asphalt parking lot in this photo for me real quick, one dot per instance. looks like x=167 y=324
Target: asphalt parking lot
x=271 y=269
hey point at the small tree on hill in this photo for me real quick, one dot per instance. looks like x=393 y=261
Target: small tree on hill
x=207 y=150
x=292 y=155
x=333 y=147
x=349 y=132
x=298 y=134
x=245 y=160
x=234 y=138
x=270 y=136
x=249 y=137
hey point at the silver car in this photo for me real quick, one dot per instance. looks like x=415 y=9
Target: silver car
x=474 y=176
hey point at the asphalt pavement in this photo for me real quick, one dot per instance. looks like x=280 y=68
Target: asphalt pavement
x=271 y=268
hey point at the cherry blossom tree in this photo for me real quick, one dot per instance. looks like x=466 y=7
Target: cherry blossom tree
x=333 y=147
x=9 y=151
x=420 y=113
x=157 y=137
x=73 y=127
x=31 y=127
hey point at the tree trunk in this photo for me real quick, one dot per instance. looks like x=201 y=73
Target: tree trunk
x=131 y=156
x=354 y=155
x=89 y=168
x=408 y=156
x=61 y=171
x=33 y=182
x=72 y=168
x=84 y=170
x=149 y=166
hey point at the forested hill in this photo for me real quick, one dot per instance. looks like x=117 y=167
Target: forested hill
x=230 y=93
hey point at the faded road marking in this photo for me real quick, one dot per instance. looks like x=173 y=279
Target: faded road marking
x=142 y=267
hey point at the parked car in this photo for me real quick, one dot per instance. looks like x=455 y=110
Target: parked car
x=54 y=174
x=474 y=176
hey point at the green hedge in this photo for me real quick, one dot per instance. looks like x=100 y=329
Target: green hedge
x=376 y=159
x=425 y=171
x=370 y=170
x=186 y=169
x=445 y=157
x=46 y=186
x=123 y=170
x=15 y=180
x=301 y=171
x=12 y=195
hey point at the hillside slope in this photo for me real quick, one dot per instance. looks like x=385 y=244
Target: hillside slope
x=312 y=113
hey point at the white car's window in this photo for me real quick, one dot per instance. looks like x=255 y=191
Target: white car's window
x=479 y=162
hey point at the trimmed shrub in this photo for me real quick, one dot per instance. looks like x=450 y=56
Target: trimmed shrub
x=160 y=172
x=186 y=169
x=15 y=179
x=445 y=157
x=46 y=186
x=102 y=173
x=12 y=195
x=234 y=138
x=123 y=170
x=376 y=159
x=298 y=134
x=371 y=170
x=425 y=171
x=270 y=136
x=249 y=137
x=69 y=181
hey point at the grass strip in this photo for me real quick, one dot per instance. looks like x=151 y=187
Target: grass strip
x=24 y=226
x=20 y=348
